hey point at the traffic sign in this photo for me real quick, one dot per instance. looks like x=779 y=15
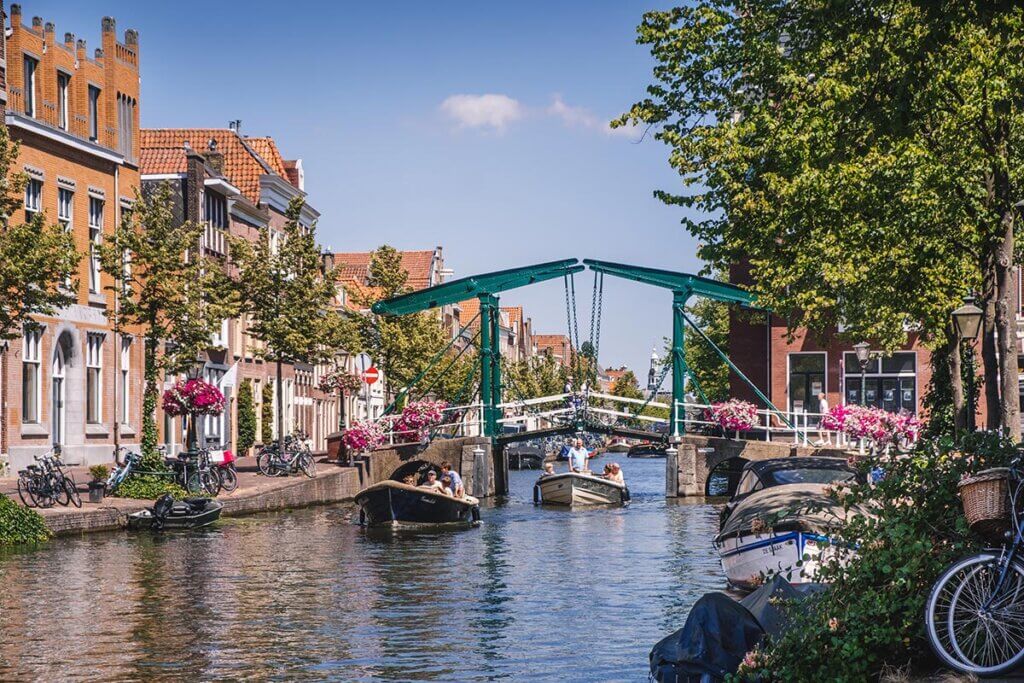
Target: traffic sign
x=371 y=375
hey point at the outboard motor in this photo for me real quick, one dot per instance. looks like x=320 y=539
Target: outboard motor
x=162 y=508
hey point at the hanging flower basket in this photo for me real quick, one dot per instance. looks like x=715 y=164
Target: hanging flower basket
x=418 y=418
x=193 y=397
x=733 y=415
x=339 y=380
x=363 y=436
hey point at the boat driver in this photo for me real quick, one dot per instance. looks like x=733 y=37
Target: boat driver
x=578 y=457
x=431 y=482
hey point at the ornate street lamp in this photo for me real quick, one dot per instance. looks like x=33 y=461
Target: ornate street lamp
x=967 y=321
x=863 y=351
x=194 y=371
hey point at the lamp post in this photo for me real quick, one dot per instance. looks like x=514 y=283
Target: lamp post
x=967 y=321
x=863 y=351
x=651 y=385
x=194 y=371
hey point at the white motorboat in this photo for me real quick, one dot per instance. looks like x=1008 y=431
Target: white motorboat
x=572 y=488
x=780 y=519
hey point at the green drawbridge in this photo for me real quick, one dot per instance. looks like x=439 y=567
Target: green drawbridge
x=487 y=286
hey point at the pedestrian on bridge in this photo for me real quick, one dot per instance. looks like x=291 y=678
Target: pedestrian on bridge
x=578 y=457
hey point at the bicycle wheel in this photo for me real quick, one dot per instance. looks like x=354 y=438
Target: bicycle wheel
x=57 y=489
x=194 y=484
x=307 y=464
x=210 y=480
x=72 y=491
x=971 y=628
x=228 y=479
x=25 y=491
x=263 y=462
x=42 y=493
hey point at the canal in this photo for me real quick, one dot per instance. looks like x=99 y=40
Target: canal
x=533 y=594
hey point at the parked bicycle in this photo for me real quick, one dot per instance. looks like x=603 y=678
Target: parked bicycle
x=975 y=612
x=195 y=475
x=121 y=468
x=296 y=457
x=47 y=483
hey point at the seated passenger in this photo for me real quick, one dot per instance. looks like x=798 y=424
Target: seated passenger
x=615 y=474
x=409 y=479
x=549 y=469
x=446 y=485
x=431 y=481
x=457 y=487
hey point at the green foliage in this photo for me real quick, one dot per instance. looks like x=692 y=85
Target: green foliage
x=627 y=386
x=873 y=612
x=20 y=525
x=267 y=412
x=149 y=487
x=36 y=258
x=99 y=472
x=246 y=418
x=537 y=376
x=174 y=298
x=711 y=371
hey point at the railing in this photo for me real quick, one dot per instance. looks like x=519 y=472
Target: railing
x=461 y=421
x=804 y=428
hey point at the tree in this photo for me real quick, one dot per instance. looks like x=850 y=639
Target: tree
x=711 y=373
x=266 y=412
x=168 y=290
x=401 y=346
x=289 y=295
x=859 y=156
x=627 y=386
x=536 y=376
x=246 y=418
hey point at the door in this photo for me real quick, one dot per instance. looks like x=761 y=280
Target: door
x=58 y=417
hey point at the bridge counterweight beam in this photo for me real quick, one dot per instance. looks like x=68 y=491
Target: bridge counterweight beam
x=679 y=369
x=489 y=357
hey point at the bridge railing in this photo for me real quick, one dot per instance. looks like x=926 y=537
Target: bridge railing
x=804 y=427
x=464 y=420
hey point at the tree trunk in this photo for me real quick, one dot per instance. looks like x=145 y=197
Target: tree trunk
x=989 y=356
x=1006 y=326
x=956 y=382
x=280 y=410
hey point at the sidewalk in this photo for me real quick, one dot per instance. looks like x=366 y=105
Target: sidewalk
x=255 y=493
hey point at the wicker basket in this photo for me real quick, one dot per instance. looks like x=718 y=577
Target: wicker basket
x=986 y=500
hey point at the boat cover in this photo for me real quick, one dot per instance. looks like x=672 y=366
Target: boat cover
x=720 y=631
x=788 y=505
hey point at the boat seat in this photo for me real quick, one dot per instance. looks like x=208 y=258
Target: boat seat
x=180 y=507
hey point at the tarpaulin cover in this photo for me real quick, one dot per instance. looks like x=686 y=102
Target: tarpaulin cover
x=719 y=632
x=790 y=503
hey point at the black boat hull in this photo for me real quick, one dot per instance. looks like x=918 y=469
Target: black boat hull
x=525 y=460
x=199 y=518
x=395 y=505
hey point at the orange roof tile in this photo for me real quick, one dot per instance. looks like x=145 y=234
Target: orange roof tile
x=244 y=160
x=469 y=310
x=515 y=314
x=356 y=266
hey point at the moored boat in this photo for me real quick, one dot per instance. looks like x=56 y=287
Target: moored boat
x=618 y=446
x=647 y=450
x=573 y=488
x=167 y=514
x=524 y=458
x=780 y=520
x=394 y=504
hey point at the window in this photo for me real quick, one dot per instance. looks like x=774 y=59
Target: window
x=219 y=338
x=806 y=381
x=94 y=113
x=212 y=426
x=30 y=375
x=125 y=125
x=215 y=213
x=889 y=383
x=94 y=379
x=95 y=238
x=63 y=83
x=31 y=66
x=33 y=197
x=124 y=390
x=65 y=214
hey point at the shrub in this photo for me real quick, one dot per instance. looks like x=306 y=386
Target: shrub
x=267 y=413
x=873 y=612
x=99 y=472
x=149 y=487
x=246 y=419
x=21 y=525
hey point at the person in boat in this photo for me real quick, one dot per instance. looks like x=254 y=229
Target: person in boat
x=614 y=473
x=446 y=485
x=409 y=479
x=578 y=457
x=456 y=481
x=431 y=482
x=549 y=469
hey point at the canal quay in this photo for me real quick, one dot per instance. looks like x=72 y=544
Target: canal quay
x=534 y=593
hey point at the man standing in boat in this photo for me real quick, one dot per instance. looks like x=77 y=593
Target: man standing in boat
x=578 y=457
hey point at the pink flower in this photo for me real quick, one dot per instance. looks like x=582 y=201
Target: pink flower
x=733 y=415
x=833 y=624
x=193 y=397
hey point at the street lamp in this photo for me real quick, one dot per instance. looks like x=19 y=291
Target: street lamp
x=194 y=370
x=863 y=351
x=967 y=321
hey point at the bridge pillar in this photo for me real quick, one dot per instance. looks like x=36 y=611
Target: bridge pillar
x=681 y=478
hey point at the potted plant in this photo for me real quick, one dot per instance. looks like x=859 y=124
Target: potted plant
x=98 y=485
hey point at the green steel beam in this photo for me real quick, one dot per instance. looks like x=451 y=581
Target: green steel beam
x=489 y=351
x=679 y=369
x=677 y=282
x=469 y=287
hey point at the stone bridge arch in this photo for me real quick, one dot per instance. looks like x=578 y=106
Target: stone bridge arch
x=472 y=457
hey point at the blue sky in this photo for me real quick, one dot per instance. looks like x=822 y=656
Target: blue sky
x=383 y=103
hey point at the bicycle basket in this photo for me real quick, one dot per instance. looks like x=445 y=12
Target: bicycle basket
x=986 y=501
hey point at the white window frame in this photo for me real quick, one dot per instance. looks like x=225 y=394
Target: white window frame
x=854 y=375
x=95 y=239
x=94 y=112
x=30 y=73
x=33 y=197
x=213 y=426
x=63 y=92
x=125 y=389
x=31 y=354
x=94 y=377
x=789 y=389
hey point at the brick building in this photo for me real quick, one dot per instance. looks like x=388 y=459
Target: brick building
x=555 y=345
x=792 y=373
x=238 y=186
x=69 y=379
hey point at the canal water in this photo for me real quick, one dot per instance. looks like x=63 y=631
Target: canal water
x=533 y=594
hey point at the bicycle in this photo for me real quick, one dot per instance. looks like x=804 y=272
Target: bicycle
x=296 y=457
x=121 y=472
x=62 y=481
x=46 y=483
x=975 y=611
x=195 y=475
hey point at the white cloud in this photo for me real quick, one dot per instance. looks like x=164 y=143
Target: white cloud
x=581 y=117
x=482 y=111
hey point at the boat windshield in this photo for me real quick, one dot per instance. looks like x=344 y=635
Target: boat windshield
x=810 y=475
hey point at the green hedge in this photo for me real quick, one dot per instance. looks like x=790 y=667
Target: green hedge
x=21 y=525
x=149 y=487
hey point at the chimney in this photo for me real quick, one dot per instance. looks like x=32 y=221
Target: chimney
x=214 y=157
x=69 y=40
x=236 y=126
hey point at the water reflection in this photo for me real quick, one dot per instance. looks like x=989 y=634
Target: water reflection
x=534 y=593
